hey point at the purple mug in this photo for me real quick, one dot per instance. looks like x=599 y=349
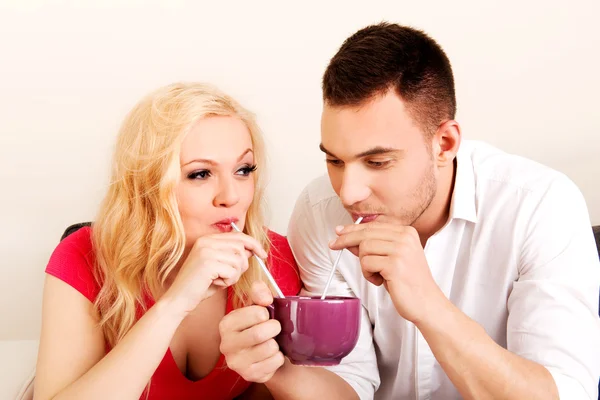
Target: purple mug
x=314 y=331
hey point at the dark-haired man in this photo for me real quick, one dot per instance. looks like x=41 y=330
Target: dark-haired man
x=477 y=270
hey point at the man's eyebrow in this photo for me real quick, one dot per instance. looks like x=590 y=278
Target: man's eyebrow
x=377 y=150
x=324 y=150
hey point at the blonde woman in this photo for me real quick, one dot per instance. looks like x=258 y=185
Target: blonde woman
x=132 y=305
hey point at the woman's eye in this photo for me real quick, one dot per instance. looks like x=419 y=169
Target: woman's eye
x=246 y=170
x=203 y=174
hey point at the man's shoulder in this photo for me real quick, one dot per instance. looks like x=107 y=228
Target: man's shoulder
x=501 y=170
x=319 y=203
x=513 y=188
x=318 y=194
x=319 y=190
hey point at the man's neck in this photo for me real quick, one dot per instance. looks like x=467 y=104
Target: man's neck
x=436 y=215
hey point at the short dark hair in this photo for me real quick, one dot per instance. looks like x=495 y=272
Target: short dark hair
x=386 y=56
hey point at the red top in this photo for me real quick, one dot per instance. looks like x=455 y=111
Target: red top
x=72 y=262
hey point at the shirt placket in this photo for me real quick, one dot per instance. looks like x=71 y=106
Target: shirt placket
x=440 y=260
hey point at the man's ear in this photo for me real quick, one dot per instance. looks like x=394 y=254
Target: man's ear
x=445 y=143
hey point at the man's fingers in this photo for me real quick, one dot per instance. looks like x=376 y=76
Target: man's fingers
x=375 y=279
x=354 y=235
x=342 y=229
x=373 y=268
x=377 y=247
x=374 y=264
x=346 y=240
x=354 y=250
x=354 y=238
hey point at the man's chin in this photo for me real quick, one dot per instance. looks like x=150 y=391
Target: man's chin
x=392 y=219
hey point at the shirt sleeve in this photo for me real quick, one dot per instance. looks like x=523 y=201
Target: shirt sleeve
x=553 y=307
x=72 y=262
x=309 y=244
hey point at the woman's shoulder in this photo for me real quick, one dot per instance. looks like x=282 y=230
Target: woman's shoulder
x=283 y=264
x=73 y=261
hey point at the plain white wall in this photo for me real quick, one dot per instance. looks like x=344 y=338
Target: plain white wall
x=526 y=76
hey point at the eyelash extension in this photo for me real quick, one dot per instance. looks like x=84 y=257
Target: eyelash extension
x=248 y=169
x=251 y=168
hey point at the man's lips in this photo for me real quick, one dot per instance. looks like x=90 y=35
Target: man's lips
x=365 y=217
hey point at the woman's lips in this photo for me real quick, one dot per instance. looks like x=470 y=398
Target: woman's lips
x=225 y=224
x=223 y=227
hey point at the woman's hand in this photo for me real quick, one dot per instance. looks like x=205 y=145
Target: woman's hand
x=215 y=262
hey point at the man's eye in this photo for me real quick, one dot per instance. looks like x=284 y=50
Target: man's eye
x=377 y=164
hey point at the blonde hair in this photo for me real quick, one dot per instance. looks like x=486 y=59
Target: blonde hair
x=138 y=235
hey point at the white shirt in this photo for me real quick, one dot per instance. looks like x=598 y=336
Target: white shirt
x=517 y=255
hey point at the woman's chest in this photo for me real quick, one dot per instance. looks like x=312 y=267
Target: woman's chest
x=195 y=345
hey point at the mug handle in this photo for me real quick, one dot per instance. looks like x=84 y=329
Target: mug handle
x=271 y=310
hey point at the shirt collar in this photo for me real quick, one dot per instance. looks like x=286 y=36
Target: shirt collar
x=463 y=204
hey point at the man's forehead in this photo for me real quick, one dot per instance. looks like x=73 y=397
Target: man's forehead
x=383 y=124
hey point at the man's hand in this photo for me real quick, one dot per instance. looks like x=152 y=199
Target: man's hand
x=247 y=338
x=391 y=254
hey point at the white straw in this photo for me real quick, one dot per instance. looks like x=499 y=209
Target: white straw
x=337 y=260
x=264 y=268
